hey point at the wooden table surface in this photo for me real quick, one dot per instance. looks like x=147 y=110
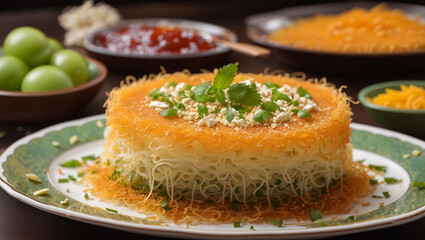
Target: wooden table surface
x=20 y=221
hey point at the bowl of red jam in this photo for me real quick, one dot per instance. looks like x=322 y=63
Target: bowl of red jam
x=146 y=45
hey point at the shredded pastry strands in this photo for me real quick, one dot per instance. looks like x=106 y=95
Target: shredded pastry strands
x=408 y=97
x=80 y=21
x=378 y=30
x=338 y=199
x=176 y=168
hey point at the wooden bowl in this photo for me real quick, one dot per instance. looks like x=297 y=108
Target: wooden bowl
x=48 y=106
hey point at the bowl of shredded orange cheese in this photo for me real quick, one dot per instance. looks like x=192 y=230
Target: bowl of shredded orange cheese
x=397 y=105
x=354 y=37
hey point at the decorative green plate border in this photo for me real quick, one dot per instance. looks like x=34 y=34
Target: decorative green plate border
x=34 y=153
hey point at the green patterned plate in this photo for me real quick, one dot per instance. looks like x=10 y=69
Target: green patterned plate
x=36 y=154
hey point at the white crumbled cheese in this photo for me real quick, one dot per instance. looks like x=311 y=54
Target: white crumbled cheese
x=282 y=117
x=40 y=192
x=181 y=86
x=416 y=152
x=56 y=144
x=238 y=121
x=211 y=122
x=73 y=139
x=406 y=156
x=163 y=90
x=33 y=177
x=158 y=104
x=308 y=107
x=217 y=113
x=202 y=121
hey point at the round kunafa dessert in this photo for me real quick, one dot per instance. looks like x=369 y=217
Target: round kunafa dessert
x=225 y=147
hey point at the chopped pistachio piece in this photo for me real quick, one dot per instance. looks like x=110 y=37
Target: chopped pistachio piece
x=64 y=202
x=56 y=144
x=416 y=152
x=73 y=140
x=100 y=124
x=33 y=177
x=40 y=192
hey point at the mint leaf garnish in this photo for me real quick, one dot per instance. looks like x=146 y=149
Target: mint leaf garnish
x=269 y=106
x=301 y=113
x=262 y=116
x=243 y=94
x=169 y=112
x=225 y=75
x=303 y=93
x=221 y=97
x=280 y=96
x=271 y=85
x=200 y=93
x=202 y=110
x=229 y=114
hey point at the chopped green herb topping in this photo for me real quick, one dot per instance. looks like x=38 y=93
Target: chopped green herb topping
x=373 y=181
x=277 y=223
x=269 y=106
x=391 y=180
x=322 y=223
x=72 y=178
x=419 y=184
x=237 y=224
x=262 y=116
x=202 y=110
x=376 y=196
x=169 y=112
x=229 y=114
x=271 y=85
x=111 y=210
x=71 y=164
x=315 y=215
x=89 y=158
x=303 y=93
x=386 y=194
x=379 y=168
x=252 y=228
x=352 y=218
x=63 y=180
x=86 y=196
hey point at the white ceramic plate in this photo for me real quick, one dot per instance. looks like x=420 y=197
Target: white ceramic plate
x=374 y=145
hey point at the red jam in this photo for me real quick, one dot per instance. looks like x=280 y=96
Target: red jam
x=153 y=40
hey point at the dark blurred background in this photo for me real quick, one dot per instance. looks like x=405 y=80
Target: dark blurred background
x=235 y=7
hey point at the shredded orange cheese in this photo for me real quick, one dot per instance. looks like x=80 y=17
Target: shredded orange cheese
x=339 y=199
x=378 y=30
x=408 y=97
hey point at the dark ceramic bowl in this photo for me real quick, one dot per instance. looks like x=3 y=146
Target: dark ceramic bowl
x=144 y=63
x=260 y=25
x=26 y=107
x=407 y=121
